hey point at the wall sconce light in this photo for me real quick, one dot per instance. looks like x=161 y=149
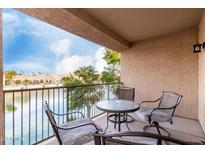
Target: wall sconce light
x=203 y=45
x=197 y=47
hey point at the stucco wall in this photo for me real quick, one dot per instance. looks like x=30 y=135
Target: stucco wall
x=1 y=81
x=201 y=111
x=164 y=63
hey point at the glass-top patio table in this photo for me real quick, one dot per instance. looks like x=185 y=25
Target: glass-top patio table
x=119 y=109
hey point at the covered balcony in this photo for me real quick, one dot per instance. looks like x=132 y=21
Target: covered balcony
x=157 y=54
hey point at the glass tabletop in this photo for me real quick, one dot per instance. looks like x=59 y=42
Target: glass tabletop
x=122 y=106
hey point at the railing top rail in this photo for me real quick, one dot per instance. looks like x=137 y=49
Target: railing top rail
x=58 y=87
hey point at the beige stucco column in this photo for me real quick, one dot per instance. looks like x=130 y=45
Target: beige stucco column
x=201 y=108
x=1 y=82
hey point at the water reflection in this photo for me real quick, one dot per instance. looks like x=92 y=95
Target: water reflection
x=27 y=122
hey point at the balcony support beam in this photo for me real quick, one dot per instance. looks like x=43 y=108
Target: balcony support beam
x=1 y=82
x=78 y=22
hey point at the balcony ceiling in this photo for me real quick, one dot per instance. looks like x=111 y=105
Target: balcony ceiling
x=138 y=24
x=118 y=28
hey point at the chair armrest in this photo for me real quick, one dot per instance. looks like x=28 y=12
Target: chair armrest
x=76 y=126
x=108 y=137
x=150 y=101
x=62 y=114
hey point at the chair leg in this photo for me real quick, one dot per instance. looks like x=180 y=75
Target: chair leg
x=131 y=119
x=168 y=133
x=115 y=121
x=148 y=126
x=158 y=127
x=107 y=123
x=126 y=122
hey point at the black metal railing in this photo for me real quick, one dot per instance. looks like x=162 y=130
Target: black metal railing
x=25 y=121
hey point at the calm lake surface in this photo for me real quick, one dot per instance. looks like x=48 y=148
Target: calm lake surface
x=28 y=123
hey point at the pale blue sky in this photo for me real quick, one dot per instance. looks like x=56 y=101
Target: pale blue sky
x=31 y=45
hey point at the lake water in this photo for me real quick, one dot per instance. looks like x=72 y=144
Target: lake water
x=29 y=119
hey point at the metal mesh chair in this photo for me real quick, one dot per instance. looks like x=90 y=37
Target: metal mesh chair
x=124 y=93
x=163 y=113
x=79 y=131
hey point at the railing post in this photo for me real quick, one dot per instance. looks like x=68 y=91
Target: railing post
x=108 y=91
x=42 y=97
x=63 y=104
x=1 y=85
x=67 y=118
x=3 y=124
x=29 y=124
x=36 y=118
x=58 y=99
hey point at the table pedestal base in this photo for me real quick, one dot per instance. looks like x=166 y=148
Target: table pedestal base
x=118 y=119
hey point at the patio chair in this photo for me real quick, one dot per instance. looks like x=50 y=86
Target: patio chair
x=139 y=138
x=125 y=93
x=163 y=113
x=79 y=131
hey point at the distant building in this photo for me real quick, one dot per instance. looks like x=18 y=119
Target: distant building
x=22 y=79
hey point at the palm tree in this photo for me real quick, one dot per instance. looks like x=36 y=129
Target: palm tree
x=26 y=82
x=83 y=95
x=9 y=76
x=17 y=82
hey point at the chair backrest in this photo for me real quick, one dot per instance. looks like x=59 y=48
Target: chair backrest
x=171 y=100
x=126 y=93
x=52 y=121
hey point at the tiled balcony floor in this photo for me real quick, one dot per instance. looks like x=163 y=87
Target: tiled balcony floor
x=185 y=129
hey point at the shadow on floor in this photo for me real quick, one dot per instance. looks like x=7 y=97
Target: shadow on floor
x=182 y=128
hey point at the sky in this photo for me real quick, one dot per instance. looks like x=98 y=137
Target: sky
x=30 y=45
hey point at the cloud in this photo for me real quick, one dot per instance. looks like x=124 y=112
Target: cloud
x=27 y=66
x=37 y=25
x=100 y=63
x=32 y=22
x=69 y=64
x=11 y=23
x=10 y=18
x=69 y=51
x=46 y=31
x=60 y=47
x=14 y=25
x=35 y=33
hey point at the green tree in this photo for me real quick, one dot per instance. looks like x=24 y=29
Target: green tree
x=26 y=82
x=17 y=82
x=112 y=57
x=111 y=73
x=9 y=76
x=71 y=80
x=10 y=108
x=81 y=96
x=87 y=75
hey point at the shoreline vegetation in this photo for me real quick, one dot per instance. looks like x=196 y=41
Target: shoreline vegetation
x=30 y=86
